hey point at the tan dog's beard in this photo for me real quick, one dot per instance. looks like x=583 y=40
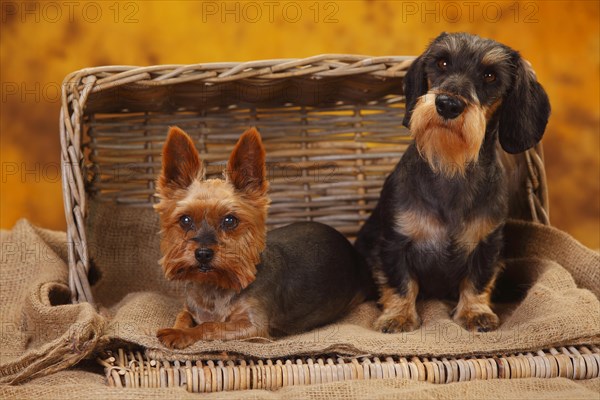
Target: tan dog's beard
x=448 y=146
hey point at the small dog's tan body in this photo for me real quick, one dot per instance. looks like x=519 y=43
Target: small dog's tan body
x=241 y=282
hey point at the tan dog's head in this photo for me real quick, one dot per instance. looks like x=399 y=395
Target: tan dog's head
x=212 y=230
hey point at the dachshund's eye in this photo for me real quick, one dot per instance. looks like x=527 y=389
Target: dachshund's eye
x=442 y=64
x=229 y=222
x=489 y=76
x=186 y=221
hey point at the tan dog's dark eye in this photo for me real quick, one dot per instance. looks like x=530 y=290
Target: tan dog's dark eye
x=442 y=64
x=186 y=221
x=489 y=76
x=229 y=222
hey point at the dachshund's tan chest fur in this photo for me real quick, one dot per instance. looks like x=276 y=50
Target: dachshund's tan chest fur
x=429 y=231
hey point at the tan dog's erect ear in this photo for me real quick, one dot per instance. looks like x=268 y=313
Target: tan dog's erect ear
x=246 y=169
x=181 y=163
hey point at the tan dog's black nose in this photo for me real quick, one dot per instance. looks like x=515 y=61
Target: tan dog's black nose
x=449 y=107
x=204 y=255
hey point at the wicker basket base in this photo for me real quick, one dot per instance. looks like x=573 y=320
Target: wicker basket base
x=129 y=369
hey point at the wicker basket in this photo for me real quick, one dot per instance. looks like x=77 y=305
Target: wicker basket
x=331 y=125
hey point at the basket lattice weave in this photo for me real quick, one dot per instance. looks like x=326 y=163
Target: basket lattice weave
x=331 y=125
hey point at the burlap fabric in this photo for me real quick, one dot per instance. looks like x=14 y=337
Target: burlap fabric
x=551 y=311
x=41 y=333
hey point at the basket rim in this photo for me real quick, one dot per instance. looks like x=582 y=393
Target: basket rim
x=318 y=66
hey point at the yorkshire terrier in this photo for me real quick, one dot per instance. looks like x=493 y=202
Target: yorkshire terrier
x=240 y=281
x=437 y=228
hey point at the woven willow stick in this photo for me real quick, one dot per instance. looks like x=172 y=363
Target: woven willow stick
x=129 y=370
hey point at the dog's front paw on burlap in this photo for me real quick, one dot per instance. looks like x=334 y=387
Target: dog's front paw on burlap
x=483 y=321
x=387 y=323
x=175 y=338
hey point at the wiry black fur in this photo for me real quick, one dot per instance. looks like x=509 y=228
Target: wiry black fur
x=309 y=275
x=518 y=124
x=525 y=111
x=412 y=184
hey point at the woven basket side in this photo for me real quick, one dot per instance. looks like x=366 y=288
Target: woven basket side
x=331 y=125
x=73 y=99
x=536 y=186
x=123 y=90
x=323 y=164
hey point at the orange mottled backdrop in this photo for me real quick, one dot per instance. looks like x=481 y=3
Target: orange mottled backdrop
x=41 y=42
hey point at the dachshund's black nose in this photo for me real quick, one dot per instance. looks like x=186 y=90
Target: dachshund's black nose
x=204 y=255
x=449 y=107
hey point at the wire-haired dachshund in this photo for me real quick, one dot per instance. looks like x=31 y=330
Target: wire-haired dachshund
x=437 y=228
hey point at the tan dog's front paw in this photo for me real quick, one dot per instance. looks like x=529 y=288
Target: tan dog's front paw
x=175 y=338
x=478 y=321
x=397 y=323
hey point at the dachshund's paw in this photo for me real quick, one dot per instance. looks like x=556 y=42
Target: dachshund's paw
x=397 y=323
x=478 y=321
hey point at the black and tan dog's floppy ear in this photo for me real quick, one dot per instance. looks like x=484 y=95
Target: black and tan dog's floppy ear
x=524 y=112
x=415 y=86
x=415 y=81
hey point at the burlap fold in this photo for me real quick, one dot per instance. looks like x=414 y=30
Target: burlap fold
x=41 y=332
x=542 y=307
